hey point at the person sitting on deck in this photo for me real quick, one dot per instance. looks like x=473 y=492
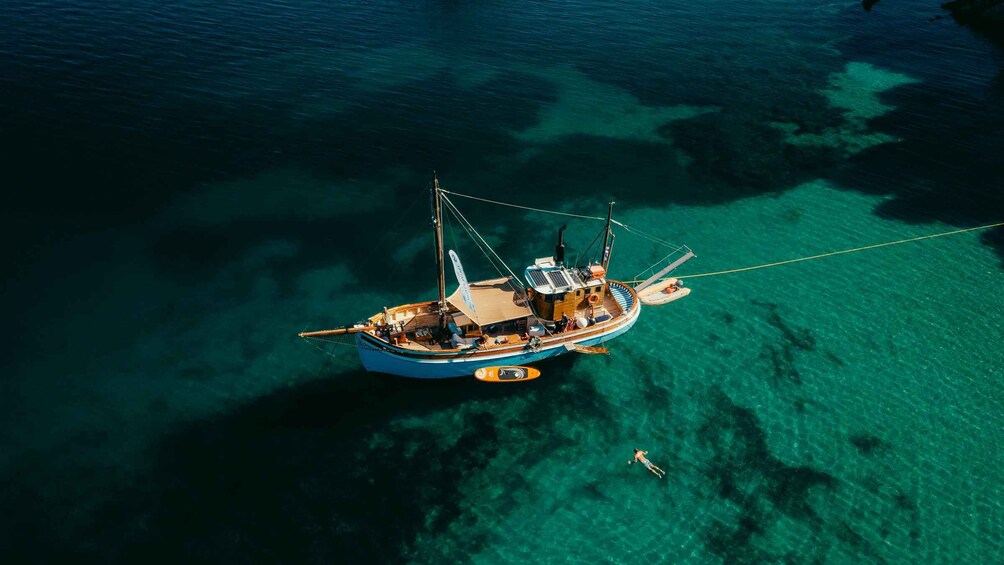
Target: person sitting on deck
x=639 y=456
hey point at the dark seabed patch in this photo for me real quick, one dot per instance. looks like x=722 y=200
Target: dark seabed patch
x=728 y=164
x=802 y=405
x=765 y=490
x=737 y=151
x=951 y=183
x=742 y=470
x=832 y=358
x=637 y=172
x=944 y=163
x=594 y=491
x=861 y=546
x=315 y=473
x=798 y=338
x=737 y=543
x=782 y=356
x=868 y=444
x=939 y=160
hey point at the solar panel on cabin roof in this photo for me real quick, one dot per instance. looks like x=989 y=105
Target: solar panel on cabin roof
x=538 y=278
x=558 y=279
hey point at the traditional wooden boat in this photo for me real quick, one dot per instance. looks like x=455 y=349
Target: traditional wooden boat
x=663 y=292
x=506 y=374
x=557 y=308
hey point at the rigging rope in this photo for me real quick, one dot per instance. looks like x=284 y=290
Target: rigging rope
x=334 y=342
x=649 y=237
x=626 y=227
x=520 y=288
x=525 y=207
x=659 y=262
x=832 y=253
x=578 y=260
x=478 y=240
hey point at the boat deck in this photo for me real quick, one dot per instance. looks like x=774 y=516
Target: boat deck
x=420 y=320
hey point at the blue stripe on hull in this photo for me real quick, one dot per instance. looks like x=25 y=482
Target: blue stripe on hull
x=379 y=361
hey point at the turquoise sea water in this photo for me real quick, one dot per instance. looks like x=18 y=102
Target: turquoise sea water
x=191 y=184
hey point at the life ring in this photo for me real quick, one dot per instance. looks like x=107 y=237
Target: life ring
x=593 y=299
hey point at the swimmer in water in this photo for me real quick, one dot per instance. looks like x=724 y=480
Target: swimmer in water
x=639 y=456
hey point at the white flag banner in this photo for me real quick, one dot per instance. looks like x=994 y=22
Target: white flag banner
x=465 y=289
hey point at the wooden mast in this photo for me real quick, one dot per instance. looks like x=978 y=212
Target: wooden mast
x=437 y=222
x=607 y=242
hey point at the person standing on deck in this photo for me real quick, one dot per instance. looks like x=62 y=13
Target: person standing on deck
x=639 y=456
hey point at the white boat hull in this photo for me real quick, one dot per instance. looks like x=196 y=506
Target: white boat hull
x=656 y=295
x=663 y=298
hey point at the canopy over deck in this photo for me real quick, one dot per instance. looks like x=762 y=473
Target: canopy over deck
x=494 y=300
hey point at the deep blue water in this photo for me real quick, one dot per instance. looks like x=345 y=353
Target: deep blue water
x=189 y=184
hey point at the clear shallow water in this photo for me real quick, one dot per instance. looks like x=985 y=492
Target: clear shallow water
x=195 y=184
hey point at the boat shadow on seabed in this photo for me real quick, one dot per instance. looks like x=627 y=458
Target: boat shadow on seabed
x=322 y=472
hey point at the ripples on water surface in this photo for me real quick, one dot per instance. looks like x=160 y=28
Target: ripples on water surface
x=191 y=184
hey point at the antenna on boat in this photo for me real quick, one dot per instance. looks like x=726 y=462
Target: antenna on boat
x=607 y=237
x=437 y=222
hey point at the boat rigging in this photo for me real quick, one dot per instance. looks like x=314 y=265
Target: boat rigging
x=557 y=307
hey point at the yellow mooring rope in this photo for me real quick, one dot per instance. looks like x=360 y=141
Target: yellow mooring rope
x=832 y=253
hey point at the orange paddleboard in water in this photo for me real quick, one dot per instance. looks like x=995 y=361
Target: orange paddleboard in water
x=506 y=374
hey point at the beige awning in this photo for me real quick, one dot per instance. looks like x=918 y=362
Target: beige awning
x=494 y=301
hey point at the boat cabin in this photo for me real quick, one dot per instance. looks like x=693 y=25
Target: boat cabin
x=557 y=291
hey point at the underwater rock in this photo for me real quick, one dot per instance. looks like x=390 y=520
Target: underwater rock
x=983 y=16
x=736 y=155
x=867 y=443
x=971 y=10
